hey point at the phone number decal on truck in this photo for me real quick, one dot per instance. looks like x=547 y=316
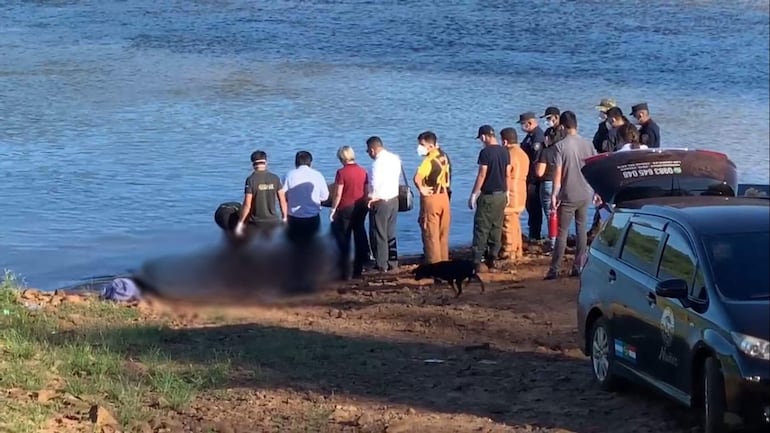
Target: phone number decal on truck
x=655 y=168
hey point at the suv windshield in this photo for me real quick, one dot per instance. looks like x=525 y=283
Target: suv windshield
x=739 y=264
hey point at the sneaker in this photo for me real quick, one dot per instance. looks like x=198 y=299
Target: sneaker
x=551 y=276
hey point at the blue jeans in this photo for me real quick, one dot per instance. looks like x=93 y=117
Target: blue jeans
x=546 y=188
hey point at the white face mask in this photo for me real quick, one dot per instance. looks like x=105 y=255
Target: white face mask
x=549 y=123
x=421 y=150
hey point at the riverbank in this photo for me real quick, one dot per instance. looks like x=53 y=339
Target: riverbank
x=372 y=356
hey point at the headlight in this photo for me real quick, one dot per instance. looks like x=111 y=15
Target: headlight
x=752 y=346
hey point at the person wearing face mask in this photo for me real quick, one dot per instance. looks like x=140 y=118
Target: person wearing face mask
x=532 y=144
x=554 y=132
x=602 y=131
x=649 y=131
x=432 y=180
x=617 y=121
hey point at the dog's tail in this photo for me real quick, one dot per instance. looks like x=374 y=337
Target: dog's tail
x=477 y=278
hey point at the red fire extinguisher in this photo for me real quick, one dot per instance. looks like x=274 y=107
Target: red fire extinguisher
x=553 y=224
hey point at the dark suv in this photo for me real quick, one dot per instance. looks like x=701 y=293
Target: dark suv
x=675 y=292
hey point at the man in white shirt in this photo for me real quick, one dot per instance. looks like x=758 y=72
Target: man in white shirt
x=303 y=190
x=383 y=204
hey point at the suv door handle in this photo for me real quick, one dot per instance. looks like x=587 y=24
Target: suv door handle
x=651 y=298
x=612 y=276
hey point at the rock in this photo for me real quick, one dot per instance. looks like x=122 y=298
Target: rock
x=73 y=299
x=365 y=420
x=160 y=403
x=224 y=427
x=31 y=294
x=400 y=426
x=101 y=416
x=45 y=395
x=142 y=427
x=411 y=411
x=344 y=414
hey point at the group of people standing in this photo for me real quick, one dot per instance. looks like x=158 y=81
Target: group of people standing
x=540 y=175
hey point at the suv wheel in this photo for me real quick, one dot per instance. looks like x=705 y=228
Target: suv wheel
x=602 y=353
x=713 y=397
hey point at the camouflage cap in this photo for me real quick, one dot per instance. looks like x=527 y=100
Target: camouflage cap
x=605 y=104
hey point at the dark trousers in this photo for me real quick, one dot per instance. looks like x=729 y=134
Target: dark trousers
x=534 y=211
x=263 y=229
x=301 y=231
x=568 y=211
x=382 y=233
x=487 y=226
x=350 y=222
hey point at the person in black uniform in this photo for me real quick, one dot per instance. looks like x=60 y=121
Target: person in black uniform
x=648 y=130
x=601 y=137
x=554 y=132
x=531 y=145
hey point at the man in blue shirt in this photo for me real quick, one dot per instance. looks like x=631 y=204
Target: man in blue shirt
x=303 y=190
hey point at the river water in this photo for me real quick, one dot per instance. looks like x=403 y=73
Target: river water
x=123 y=124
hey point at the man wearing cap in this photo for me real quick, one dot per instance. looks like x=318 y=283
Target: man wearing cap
x=432 y=180
x=489 y=197
x=602 y=132
x=554 y=132
x=511 y=234
x=572 y=195
x=648 y=130
x=259 y=197
x=532 y=145
x=617 y=122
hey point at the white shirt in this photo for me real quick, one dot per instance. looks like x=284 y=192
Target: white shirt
x=386 y=175
x=305 y=189
x=627 y=146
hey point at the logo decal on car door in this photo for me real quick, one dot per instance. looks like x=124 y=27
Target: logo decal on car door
x=667 y=327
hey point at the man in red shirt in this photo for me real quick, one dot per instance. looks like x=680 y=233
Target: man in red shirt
x=348 y=213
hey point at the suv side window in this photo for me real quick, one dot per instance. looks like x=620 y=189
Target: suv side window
x=698 y=289
x=641 y=246
x=677 y=259
x=610 y=236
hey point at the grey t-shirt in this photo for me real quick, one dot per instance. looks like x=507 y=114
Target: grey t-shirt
x=571 y=154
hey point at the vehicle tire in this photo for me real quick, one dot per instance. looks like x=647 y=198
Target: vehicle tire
x=713 y=397
x=226 y=215
x=602 y=355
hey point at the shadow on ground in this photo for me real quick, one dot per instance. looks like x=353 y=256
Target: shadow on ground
x=542 y=389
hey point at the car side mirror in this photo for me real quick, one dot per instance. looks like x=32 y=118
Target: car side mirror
x=675 y=288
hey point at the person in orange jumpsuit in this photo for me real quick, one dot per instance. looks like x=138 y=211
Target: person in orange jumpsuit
x=512 y=238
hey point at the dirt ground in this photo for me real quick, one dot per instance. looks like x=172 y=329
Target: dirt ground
x=389 y=355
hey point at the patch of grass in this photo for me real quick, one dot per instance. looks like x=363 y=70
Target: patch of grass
x=18 y=417
x=107 y=359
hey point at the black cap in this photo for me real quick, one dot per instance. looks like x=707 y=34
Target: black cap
x=523 y=117
x=551 y=111
x=639 y=107
x=258 y=157
x=485 y=130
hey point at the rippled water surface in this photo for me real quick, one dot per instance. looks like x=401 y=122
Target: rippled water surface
x=123 y=124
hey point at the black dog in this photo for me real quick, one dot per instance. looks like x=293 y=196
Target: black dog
x=452 y=271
